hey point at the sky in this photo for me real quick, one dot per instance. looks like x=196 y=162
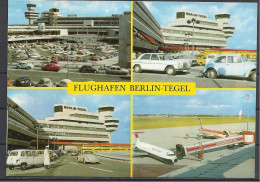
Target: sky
x=39 y=103
x=243 y=17
x=219 y=102
x=16 y=8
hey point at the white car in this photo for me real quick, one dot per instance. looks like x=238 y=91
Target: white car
x=23 y=158
x=160 y=62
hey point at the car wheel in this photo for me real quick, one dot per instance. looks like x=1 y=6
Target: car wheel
x=170 y=70
x=211 y=74
x=253 y=76
x=137 y=69
x=11 y=167
x=18 y=67
x=23 y=166
x=84 y=162
x=29 y=68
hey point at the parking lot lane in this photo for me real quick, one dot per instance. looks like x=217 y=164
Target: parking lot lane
x=194 y=75
x=57 y=76
x=68 y=166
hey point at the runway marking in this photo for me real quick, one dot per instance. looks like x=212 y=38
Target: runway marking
x=73 y=163
x=101 y=169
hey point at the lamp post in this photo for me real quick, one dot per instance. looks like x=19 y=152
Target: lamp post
x=247 y=99
x=37 y=126
x=188 y=39
x=193 y=21
x=54 y=138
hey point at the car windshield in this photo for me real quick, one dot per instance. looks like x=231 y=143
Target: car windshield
x=13 y=153
x=244 y=58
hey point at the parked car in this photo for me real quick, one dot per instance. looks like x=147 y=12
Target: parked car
x=24 y=65
x=22 y=57
x=63 y=83
x=209 y=57
x=23 y=158
x=51 y=67
x=87 y=156
x=160 y=62
x=74 y=154
x=53 y=155
x=230 y=65
x=116 y=70
x=88 y=69
x=45 y=82
x=95 y=58
x=23 y=81
x=193 y=62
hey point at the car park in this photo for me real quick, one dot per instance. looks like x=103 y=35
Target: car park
x=230 y=65
x=116 y=70
x=23 y=158
x=51 y=67
x=45 y=82
x=23 y=81
x=63 y=83
x=87 y=156
x=24 y=65
x=88 y=69
x=159 y=62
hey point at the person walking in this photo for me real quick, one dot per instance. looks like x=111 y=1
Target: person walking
x=46 y=157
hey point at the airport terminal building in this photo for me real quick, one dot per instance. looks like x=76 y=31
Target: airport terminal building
x=69 y=127
x=208 y=33
x=147 y=35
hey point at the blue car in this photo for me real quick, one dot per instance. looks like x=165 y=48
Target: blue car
x=230 y=65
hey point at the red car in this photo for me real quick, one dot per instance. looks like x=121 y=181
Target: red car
x=51 y=67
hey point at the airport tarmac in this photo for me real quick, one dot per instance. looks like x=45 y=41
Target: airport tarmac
x=169 y=137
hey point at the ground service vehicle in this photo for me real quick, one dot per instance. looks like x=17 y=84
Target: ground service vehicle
x=23 y=158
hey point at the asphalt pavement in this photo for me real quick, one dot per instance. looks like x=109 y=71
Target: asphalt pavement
x=69 y=166
x=194 y=75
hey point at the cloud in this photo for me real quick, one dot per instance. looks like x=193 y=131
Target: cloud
x=23 y=99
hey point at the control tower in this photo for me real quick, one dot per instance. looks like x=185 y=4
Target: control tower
x=31 y=14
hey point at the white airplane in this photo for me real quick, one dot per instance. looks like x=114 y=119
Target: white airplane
x=159 y=153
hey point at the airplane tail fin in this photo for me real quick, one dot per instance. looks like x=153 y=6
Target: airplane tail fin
x=136 y=134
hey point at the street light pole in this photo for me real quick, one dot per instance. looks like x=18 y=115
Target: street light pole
x=247 y=99
x=193 y=21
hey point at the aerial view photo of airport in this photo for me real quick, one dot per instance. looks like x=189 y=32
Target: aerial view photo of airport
x=51 y=43
x=209 y=135
x=72 y=135
x=210 y=43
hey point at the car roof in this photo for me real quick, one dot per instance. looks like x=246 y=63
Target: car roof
x=22 y=62
x=45 y=79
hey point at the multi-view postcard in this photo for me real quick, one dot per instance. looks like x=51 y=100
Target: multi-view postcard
x=206 y=131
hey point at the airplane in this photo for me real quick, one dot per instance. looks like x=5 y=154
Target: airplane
x=214 y=134
x=211 y=134
x=164 y=155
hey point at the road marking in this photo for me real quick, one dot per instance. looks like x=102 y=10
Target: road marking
x=73 y=163
x=101 y=169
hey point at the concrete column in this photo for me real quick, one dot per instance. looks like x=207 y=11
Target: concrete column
x=125 y=40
